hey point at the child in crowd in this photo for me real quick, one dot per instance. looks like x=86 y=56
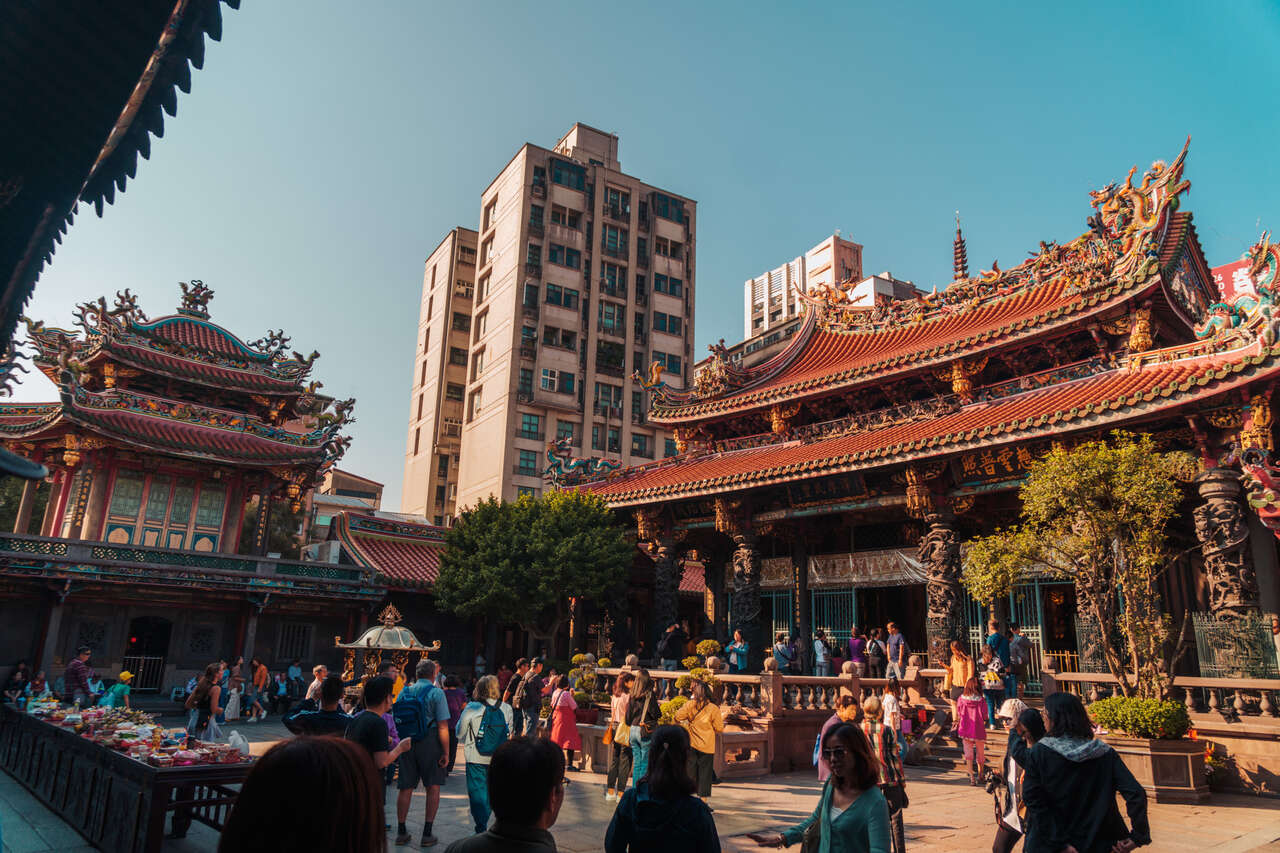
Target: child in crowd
x=971 y=718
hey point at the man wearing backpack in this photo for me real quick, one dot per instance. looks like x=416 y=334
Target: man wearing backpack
x=421 y=713
x=513 y=693
x=486 y=723
x=1019 y=660
x=530 y=697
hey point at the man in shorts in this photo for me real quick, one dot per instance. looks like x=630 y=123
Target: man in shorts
x=426 y=761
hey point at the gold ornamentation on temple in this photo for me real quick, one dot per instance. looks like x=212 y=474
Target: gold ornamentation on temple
x=1257 y=434
x=1140 y=339
x=780 y=417
x=960 y=374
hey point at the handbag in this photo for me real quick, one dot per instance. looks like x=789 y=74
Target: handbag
x=607 y=739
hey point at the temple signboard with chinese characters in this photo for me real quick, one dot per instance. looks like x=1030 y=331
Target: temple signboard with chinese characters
x=885 y=436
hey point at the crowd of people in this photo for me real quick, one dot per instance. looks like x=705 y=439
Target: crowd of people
x=1055 y=789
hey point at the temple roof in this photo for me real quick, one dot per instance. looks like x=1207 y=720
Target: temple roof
x=1136 y=236
x=1135 y=388
x=165 y=426
x=405 y=554
x=86 y=87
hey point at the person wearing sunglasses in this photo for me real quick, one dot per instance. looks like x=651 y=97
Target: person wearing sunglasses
x=852 y=815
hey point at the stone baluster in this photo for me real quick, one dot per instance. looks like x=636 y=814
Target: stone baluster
x=1265 y=705
x=1214 y=702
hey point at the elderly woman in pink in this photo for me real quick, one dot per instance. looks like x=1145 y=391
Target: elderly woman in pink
x=564 y=722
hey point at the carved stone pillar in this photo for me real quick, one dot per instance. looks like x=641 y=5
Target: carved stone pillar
x=666 y=585
x=1223 y=532
x=746 y=614
x=940 y=553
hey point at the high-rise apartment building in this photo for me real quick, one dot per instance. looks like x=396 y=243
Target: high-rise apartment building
x=771 y=297
x=584 y=275
x=440 y=378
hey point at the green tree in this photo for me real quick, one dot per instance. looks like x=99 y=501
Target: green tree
x=11 y=497
x=1097 y=514
x=521 y=562
x=284 y=529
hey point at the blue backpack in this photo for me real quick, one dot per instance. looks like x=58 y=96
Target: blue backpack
x=493 y=730
x=410 y=712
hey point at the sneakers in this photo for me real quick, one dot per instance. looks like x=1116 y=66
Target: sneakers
x=429 y=841
x=609 y=793
x=612 y=796
x=403 y=838
x=252 y=720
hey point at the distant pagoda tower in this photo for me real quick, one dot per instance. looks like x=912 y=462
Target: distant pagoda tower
x=165 y=429
x=960 y=256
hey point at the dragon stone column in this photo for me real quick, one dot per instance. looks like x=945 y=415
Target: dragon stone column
x=940 y=553
x=746 y=594
x=1223 y=532
x=665 y=585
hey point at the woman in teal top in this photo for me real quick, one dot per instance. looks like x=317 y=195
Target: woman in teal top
x=852 y=815
x=117 y=696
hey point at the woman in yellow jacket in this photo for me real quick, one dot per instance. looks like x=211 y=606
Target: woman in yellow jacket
x=959 y=670
x=703 y=719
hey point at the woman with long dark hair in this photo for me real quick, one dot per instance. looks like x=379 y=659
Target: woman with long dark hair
x=852 y=816
x=1026 y=728
x=620 y=748
x=660 y=814
x=306 y=794
x=642 y=718
x=204 y=704
x=1070 y=787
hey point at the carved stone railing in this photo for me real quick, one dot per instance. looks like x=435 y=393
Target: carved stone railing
x=1230 y=698
x=102 y=562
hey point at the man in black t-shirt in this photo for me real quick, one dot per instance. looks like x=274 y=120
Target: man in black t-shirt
x=329 y=720
x=369 y=729
x=531 y=697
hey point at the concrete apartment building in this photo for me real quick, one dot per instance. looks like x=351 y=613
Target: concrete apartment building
x=584 y=274
x=440 y=378
x=770 y=298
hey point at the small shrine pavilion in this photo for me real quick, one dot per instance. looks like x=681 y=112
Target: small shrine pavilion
x=163 y=432
x=837 y=482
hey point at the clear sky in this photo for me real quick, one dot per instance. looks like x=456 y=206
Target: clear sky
x=327 y=147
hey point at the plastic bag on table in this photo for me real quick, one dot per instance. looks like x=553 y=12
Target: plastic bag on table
x=239 y=741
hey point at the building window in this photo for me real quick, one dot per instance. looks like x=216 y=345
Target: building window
x=535 y=215
x=669 y=323
x=612 y=318
x=422 y=379
x=453 y=391
x=563 y=338
x=566 y=217
x=668 y=284
x=490 y=214
x=477 y=364
x=530 y=491
x=641 y=446
x=524 y=383
x=567 y=429
x=453 y=428
x=668 y=207
x=431 y=303
x=670 y=363
x=615 y=440
x=528 y=463
x=614 y=280
x=565 y=256
x=426 y=338
x=442 y=465
x=467 y=255
x=482 y=325
x=568 y=175
x=596 y=442
x=614 y=239
x=486 y=251
x=533 y=254
x=565 y=297
x=417 y=446
x=295 y=641
x=474 y=407
x=530 y=426
x=669 y=448
x=482 y=288
x=642 y=247
x=637 y=406
x=461 y=322
x=617 y=200
x=457 y=355
x=420 y=404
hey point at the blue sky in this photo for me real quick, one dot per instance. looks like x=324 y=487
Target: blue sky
x=327 y=147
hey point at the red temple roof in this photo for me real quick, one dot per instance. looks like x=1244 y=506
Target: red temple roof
x=406 y=554
x=1150 y=382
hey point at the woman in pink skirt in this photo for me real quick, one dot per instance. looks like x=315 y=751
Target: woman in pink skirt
x=564 y=724
x=971 y=719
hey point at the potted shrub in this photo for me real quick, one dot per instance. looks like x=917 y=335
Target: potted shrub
x=1151 y=737
x=587 y=713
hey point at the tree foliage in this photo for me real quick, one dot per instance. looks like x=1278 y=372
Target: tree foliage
x=1097 y=514
x=11 y=498
x=522 y=561
x=284 y=529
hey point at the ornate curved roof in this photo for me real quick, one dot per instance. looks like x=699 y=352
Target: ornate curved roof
x=405 y=554
x=1134 y=388
x=1136 y=236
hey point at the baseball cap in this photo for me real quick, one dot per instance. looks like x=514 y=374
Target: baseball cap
x=126 y=676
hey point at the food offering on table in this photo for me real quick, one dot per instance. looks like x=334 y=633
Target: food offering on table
x=137 y=735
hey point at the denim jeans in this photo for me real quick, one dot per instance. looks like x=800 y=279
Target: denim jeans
x=823 y=668
x=531 y=719
x=892 y=670
x=478 y=794
x=639 y=755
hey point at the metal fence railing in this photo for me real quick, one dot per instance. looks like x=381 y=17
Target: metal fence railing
x=148 y=671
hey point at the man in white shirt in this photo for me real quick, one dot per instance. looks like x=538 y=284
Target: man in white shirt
x=821 y=654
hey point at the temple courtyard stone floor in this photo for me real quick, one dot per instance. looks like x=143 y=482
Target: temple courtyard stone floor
x=946 y=814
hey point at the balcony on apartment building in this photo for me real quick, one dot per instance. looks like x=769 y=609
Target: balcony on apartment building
x=535 y=228
x=529 y=349
x=618 y=252
x=532 y=269
x=466 y=291
x=539 y=189
x=606 y=410
x=616 y=370
x=529 y=309
x=618 y=213
x=537 y=435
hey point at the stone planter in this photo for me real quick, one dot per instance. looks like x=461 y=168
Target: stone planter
x=1172 y=771
x=587 y=716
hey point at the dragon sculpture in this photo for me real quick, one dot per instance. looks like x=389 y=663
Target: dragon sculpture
x=195 y=298
x=1264 y=262
x=563 y=470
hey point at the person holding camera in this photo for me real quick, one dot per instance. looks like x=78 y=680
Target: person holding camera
x=1026 y=726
